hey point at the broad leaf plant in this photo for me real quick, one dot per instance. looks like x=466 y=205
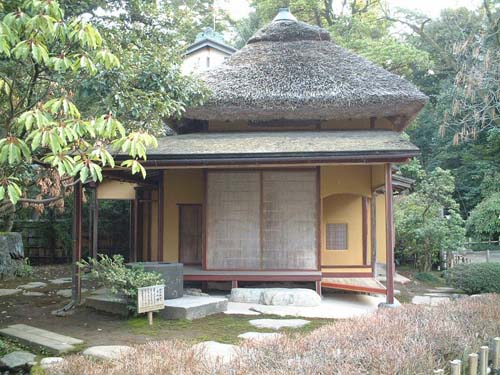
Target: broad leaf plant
x=41 y=129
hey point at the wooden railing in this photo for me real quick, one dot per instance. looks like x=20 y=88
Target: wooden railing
x=477 y=364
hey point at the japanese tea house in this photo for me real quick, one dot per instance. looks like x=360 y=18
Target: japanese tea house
x=284 y=173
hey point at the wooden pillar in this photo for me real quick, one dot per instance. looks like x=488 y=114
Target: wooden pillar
x=373 y=220
x=364 y=215
x=160 y=218
x=149 y=234
x=135 y=226
x=133 y=233
x=138 y=226
x=389 y=235
x=77 y=243
x=95 y=224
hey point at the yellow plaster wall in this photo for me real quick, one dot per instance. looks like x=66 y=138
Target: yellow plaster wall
x=346 y=179
x=342 y=187
x=340 y=209
x=180 y=186
x=346 y=270
x=381 y=228
x=110 y=189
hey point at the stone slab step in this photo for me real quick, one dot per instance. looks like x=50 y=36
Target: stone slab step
x=38 y=338
x=193 y=307
x=108 y=303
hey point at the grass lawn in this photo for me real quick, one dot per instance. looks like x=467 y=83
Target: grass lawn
x=221 y=327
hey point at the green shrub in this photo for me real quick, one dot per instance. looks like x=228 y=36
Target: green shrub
x=475 y=278
x=121 y=280
x=427 y=277
x=24 y=269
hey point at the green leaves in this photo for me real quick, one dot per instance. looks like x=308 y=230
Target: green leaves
x=13 y=150
x=10 y=189
x=42 y=129
x=134 y=166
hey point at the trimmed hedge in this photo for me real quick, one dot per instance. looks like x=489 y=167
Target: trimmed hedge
x=475 y=278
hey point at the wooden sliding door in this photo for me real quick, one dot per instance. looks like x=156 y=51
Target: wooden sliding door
x=289 y=220
x=233 y=220
x=190 y=233
x=262 y=220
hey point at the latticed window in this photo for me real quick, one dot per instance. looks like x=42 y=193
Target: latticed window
x=336 y=236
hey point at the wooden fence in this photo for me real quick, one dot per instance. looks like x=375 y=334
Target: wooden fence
x=42 y=244
x=477 y=364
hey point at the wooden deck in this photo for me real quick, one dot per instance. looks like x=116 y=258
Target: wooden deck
x=355 y=284
x=195 y=273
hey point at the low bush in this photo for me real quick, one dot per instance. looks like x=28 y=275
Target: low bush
x=475 y=278
x=413 y=339
x=112 y=273
x=24 y=268
x=427 y=277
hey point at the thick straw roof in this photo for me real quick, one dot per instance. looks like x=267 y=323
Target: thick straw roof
x=292 y=70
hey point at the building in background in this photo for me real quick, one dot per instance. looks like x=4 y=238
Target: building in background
x=208 y=51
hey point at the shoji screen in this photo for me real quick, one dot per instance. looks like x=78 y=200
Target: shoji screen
x=233 y=220
x=289 y=220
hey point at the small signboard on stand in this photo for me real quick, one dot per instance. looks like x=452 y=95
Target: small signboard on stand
x=149 y=299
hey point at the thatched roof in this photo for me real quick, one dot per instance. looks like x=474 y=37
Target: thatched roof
x=302 y=145
x=292 y=70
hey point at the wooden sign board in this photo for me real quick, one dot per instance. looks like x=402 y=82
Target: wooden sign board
x=150 y=298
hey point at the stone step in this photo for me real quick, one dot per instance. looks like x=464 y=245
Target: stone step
x=193 y=307
x=108 y=303
x=38 y=338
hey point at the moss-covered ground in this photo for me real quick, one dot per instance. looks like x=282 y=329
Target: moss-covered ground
x=222 y=328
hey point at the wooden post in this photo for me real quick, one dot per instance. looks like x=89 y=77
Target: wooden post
x=95 y=223
x=373 y=217
x=456 y=367
x=483 y=360
x=131 y=242
x=496 y=353
x=77 y=243
x=473 y=361
x=160 y=218
x=150 y=318
x=487 y=256
x=135 y=252
x=364 y=216
x=389 y=235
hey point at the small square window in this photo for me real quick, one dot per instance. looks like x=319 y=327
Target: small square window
x=336 y=236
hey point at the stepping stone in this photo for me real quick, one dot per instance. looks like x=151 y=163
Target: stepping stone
x=215 y=352
x=439 y=300
x=67 y=292
x=107 y=352
x=33 y=294
x=62 y=280
x=290 y=297
x=109 y=303
x=278 y=323
x=260 y=336
x=435 y=294
x=47 y=362
x=9 y=292
x=193 y=307
x=246 y=295
x=421 y=300
x=18 y=359
x=429 y=300
x=33 y=285
x=40 y=338
x=195 y=292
